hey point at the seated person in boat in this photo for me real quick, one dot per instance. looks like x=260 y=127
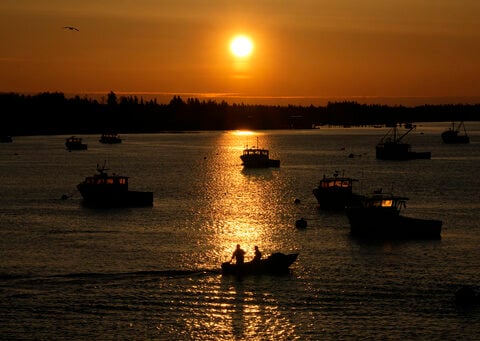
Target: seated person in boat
x=239 y=255
x=258 y=255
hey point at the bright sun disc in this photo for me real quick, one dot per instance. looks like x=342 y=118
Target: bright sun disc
x=241 y=46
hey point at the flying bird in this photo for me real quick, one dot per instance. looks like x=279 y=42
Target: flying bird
x=71 y=28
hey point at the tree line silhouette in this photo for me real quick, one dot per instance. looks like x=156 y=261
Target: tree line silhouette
x=53 y=113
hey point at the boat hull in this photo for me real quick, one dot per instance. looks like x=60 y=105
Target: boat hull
x=335 y=200
x=252 y=162
x=277 y=263
x=366 y=223
x=398 y=152
x=77 y=146
x=95 y=198
x=453 y=137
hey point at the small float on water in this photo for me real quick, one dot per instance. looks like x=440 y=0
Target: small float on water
x=467 y=296
x=301 y=223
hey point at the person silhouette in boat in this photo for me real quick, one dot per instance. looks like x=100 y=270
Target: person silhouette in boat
x=258 y=255
x=239 y=255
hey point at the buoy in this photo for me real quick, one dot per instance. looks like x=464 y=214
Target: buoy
x=301 y=223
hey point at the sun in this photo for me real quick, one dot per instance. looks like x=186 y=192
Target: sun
x=241 y=46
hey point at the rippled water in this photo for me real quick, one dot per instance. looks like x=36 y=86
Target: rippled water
x=70 y=272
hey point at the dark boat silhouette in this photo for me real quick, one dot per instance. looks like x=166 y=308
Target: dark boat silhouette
x=104 y=190
x=378 y=216
x=456 y=134
x=75 y=143
x=110 y=138
x=276 y=263
x=391 y=147
x=255 y=157
x=335 y=192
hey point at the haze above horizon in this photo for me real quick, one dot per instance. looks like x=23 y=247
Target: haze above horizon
x=304 y=52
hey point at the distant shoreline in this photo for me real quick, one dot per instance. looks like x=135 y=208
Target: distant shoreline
x=234 y=98
x=55 y=113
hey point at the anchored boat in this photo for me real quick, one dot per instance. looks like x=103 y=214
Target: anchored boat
x=456 y=134
x=378 y=216
x=111 y=190
x=391 y=147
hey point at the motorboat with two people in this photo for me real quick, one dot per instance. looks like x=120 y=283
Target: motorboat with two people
x=379 y=217
x=275 y=264
x=111 y=190
x=256 y=157
x=335 y=192
x=456 y=134
x=391 y=147
x=75 y=143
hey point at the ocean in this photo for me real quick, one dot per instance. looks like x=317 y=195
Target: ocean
x=70 y=272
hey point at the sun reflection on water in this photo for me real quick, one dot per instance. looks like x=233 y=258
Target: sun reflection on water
x=232 y=308
x=242 y=204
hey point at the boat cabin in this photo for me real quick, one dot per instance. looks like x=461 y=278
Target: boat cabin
x=336 y=183
x=383 y=201
x=256 y=152
x=114 y=180
x=110 y=138
x=105 y=181
x=74 y=140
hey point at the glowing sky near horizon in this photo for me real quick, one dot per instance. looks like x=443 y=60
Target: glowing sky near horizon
x=305 y=50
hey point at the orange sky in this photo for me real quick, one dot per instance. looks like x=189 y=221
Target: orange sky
x=306 y=51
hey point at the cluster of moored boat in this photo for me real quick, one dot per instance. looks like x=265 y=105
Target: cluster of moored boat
x=379 y=215
x=76 y=143
x=373 y=216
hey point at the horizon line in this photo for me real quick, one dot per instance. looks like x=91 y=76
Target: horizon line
x=271 y=99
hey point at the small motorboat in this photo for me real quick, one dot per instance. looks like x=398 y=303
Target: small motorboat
x=276 y=263
x=255 y=157
x=75 y=143
x=110 y=138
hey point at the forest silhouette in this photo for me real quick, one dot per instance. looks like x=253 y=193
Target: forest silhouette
x=55 y=114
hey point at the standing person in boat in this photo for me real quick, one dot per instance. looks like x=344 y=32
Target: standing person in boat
x=239 y=255
x=258 y=254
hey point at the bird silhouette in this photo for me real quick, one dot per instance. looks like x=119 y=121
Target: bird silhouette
x=71 y=28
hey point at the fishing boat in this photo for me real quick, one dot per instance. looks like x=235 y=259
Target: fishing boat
x=75 y=143
x=276 y=263
x=110 y=138
x=391 y=147
x=335 y=192
x=111 y=190
x=255 y=157
x=456 y=134
x=379 y=216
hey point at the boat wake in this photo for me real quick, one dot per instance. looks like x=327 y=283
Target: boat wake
x=119 y=275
